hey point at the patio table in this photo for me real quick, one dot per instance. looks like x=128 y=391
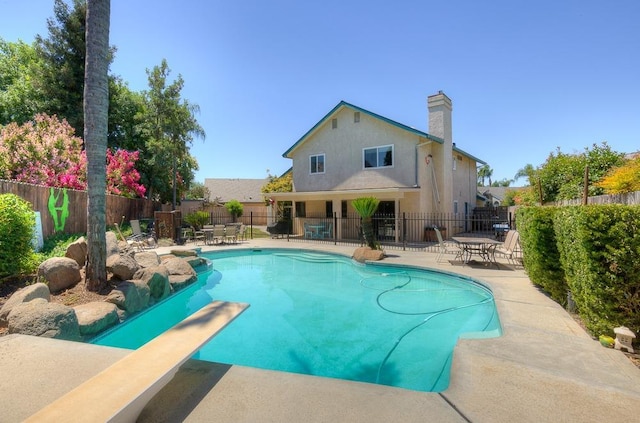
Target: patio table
x=485 y=248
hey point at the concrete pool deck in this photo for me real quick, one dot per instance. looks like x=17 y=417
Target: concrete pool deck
x=544 y=368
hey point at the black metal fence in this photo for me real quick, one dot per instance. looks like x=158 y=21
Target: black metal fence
x=407 y=231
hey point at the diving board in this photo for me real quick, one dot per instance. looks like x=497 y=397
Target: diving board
x=121 y=391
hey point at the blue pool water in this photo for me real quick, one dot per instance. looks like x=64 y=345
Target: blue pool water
x=325 y=315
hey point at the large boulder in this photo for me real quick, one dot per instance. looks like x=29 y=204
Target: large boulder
x=112 y=244
x=59 y=273
x=179 y=266
x=157 y=279
x=96 y=316
x=24 y=295
x=147 y=258
x=364 y=254
x=77 y=250
x=122 y=267
x=131 y=296
x=41 y=318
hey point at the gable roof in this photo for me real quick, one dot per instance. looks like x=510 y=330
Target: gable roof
x=243 y=190
x=344 y=104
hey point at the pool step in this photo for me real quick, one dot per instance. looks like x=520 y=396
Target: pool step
x=120 y=392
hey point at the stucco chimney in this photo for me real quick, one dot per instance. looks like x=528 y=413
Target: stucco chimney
x=440 y=126
x=440 y=116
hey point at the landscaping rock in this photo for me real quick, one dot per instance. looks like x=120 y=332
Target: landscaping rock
x=122 y=267
x=131 y=296
x=41 y=318
x=147 y=258
x=112 y=244
x=59 y=273
x=157 y=279
x=184 y=253
x=95 y=317
x=24 y=295
x=195 y=262
x=178 y=266
x=77 y=250
x=363 y=254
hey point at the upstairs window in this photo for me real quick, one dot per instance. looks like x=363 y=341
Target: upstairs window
x=316 y=163
x=378 y=156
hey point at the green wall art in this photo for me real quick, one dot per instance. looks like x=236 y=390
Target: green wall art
x=59 y=213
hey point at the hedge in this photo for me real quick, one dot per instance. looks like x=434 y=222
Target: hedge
x=599 y=249
x=540 y=252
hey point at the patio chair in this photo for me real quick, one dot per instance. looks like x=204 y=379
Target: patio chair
x=133 y=240
x=231 y=233
x=328 y=230
x=308 y=234
x=446 y=247
x=510 y=248
x=146 y=239
x=197 y=235
x=217 y=235
x=242 y=232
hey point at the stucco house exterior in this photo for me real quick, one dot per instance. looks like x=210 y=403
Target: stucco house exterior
x=352 y=152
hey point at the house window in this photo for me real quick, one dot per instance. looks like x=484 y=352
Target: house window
x=343 y=207
x=356 y=117
x=328 y=207
x=316 y=163
x=301 y=209
x=334 y=123
x=455 y=163
x=378 y=156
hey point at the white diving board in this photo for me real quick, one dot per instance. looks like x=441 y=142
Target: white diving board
x=121 y=391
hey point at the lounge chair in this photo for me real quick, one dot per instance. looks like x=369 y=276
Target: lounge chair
x=446 y=248
x=146 y=239
x=133 y=240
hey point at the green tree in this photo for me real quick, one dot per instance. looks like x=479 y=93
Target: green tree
x=526 y=172
x=502 y=183
x=561 y=177
x=96 y=111
x=235 y=208
x=60 y=78
x=366 y=207
x=169 y=126
x=198 y=191
x=19 y=100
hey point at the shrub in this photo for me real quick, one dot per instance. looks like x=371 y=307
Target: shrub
x=197 y=219
x=599 y=248
x=540 y=251
x=17 y=221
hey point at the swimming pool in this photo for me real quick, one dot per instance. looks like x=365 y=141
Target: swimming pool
x=326 y=315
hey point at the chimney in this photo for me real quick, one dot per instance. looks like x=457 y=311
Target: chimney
x=440 y=126
x=440 y=116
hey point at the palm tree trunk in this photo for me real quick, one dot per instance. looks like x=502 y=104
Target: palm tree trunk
x=96 y=107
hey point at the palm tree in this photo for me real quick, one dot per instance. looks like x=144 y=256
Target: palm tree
x=484 y=172
x=96 y=108
x=366 y=207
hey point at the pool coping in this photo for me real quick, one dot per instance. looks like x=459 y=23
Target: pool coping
x=543 y=368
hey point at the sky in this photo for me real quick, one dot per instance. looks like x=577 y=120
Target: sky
x=524 y=77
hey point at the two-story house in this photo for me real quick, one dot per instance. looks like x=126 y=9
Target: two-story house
x=352 y=152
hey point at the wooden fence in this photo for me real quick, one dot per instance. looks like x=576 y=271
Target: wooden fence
x=65 y=210
x=628 y=198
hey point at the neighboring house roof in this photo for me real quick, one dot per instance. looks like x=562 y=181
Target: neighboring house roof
x=497 y=193
x=243 y=190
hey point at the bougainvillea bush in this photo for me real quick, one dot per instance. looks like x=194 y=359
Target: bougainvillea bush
x=45 y=151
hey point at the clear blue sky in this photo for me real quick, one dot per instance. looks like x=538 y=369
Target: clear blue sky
x=525 y=77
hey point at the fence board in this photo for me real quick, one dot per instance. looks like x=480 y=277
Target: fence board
x=67 y=208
